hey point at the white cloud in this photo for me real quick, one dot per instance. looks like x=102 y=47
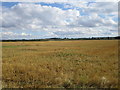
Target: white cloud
x=12 y=35
x=34 y=15
x=50 y=21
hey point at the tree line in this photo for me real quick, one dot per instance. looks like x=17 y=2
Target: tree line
x=58 y=39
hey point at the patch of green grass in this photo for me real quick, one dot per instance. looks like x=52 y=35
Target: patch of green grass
x=13 y=46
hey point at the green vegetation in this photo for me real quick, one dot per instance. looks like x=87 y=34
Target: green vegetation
x=63 y=39
x=60 y=64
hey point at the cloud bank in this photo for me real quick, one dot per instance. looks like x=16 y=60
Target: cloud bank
x=73 y=20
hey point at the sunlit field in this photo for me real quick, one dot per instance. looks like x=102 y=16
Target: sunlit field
x=60 y=64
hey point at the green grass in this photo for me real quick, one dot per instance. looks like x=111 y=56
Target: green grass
x=13 y=46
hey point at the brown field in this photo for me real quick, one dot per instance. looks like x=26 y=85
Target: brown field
x=60 y=64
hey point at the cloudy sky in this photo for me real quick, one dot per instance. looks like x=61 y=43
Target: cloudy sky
x=58 y=20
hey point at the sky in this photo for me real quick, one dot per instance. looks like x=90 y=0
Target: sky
x=23 y=20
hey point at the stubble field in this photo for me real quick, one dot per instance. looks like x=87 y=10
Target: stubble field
x=60 y=64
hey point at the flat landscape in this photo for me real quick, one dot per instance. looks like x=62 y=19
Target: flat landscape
x=60 y=64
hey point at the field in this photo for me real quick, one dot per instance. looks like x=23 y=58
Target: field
x=60 y=64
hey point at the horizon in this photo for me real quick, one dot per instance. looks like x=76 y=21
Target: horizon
x=62 y=38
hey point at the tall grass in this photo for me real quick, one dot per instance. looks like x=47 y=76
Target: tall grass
x=60 y=64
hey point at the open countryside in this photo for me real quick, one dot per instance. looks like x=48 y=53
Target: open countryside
x=60 y=64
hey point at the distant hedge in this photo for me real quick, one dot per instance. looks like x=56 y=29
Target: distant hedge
x=56 y=39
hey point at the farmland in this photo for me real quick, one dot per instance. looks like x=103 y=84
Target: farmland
x=60 y=64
